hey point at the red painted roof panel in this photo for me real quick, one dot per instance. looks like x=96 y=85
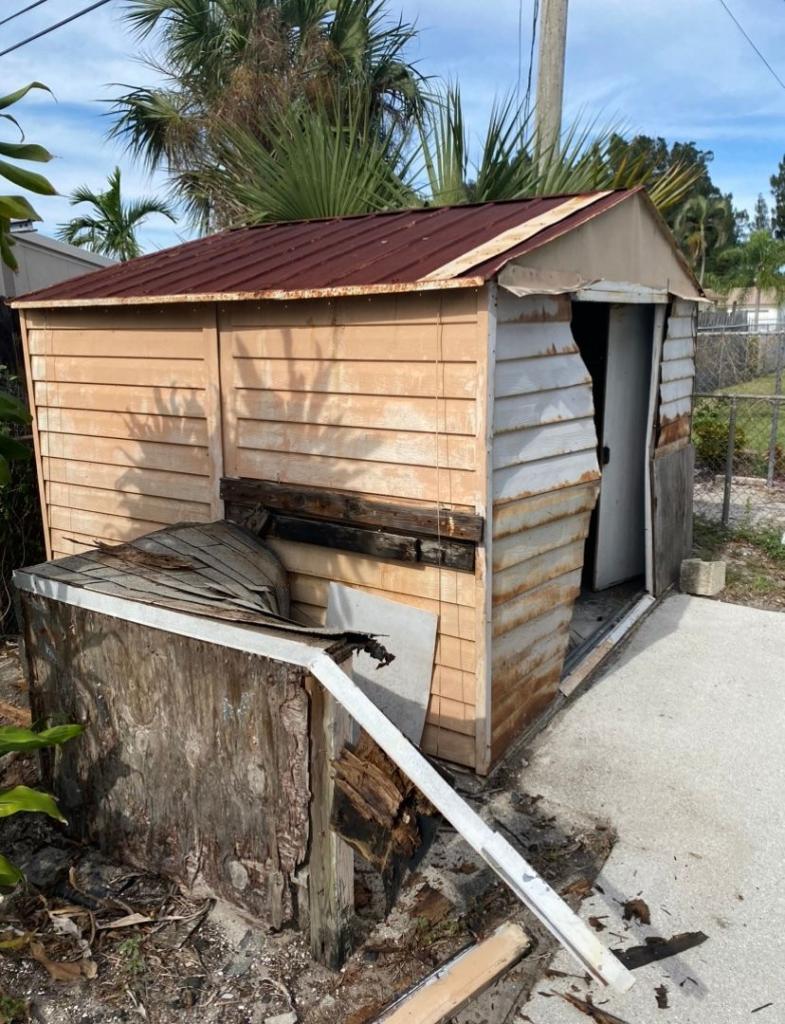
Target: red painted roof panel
x=393 y=248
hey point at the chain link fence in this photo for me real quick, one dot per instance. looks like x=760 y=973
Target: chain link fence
x=739 y=422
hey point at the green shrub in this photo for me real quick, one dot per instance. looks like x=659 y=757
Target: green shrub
x=20 y=799
x=710 y=431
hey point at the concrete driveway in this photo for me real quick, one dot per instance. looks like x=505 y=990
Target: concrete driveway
x=680 y=747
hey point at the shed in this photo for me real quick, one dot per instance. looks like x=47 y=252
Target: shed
x=424 y=404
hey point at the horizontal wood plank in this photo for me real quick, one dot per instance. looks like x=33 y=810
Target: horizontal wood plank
x=445 y=380
x=390 y=446
x=144 y=344
x=381 y=479
x=120 y=400
x=518 y=516
x=330 y=504
x=384 y=342
x=187 y=430
x=523 y=376
x=121 y=479
x=162 y=373
x=130 y=453
x=450 y=415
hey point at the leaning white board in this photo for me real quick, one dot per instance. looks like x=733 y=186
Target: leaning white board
x=400 y=690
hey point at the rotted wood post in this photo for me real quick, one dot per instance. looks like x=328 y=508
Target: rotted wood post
x=331 y=860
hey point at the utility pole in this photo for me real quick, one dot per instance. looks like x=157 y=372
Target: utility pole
x=551 y=50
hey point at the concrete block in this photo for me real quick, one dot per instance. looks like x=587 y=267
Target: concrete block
x=705 y=579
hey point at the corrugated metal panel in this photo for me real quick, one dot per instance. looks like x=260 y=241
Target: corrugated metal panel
x=382 y=251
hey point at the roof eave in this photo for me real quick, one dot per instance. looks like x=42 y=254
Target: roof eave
x=270 y=294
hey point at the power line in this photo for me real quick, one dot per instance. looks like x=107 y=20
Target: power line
x=535 y=18
x=23 y=11
x=739 y=26
x=46 y=31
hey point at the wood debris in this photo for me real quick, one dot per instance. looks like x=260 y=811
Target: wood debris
x=638 y=910
x=657 y=948
x=149 y=559
x=590 y=1010
x=661 y=995
x=376 y=808
x=596 y=923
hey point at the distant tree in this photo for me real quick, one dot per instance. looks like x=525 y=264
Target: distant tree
x=761 y=218
x=111 y=228
x=727 y=222
x=778 y=191
x=702 y=224
x=755 y=267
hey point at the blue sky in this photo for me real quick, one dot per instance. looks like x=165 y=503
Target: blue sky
x=677 y=68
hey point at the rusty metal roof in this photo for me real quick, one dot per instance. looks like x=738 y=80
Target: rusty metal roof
x=400 y=250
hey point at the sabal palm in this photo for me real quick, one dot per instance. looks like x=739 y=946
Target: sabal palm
x=702 y=223
x=111 y=228
x=757 y=266
x=236 y=64
x=506 y=168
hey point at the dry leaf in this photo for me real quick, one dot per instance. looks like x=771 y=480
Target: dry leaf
x=596 y=923
x=661 y=995
x=66 y=971
x=638 y=909
x=581 y=887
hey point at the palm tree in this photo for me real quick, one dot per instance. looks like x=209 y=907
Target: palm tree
x=16 y=207
x=701 y=224
x=111 y=229
x=330 y=158
x=580 y=162
x=236 y=64
x=755 y=267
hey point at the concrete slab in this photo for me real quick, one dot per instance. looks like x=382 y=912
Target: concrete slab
x=681 y=748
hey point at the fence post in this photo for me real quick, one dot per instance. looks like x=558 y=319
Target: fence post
x=775 y=414
x=729 y=462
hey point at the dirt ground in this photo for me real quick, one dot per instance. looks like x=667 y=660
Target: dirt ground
x=755 y=574
x=90 y=940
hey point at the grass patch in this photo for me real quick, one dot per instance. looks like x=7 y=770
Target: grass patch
x=755 y=560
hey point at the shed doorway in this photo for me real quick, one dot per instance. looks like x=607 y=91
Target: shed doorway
x=615 y=342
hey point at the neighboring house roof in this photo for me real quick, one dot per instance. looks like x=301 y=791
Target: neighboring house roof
x=44 y=262
x=748 y=300
x=395 y=251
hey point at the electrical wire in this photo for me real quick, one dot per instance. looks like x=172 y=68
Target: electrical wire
x=741 y=29
x=59 y=24
x=535 y=19
x=23 y=11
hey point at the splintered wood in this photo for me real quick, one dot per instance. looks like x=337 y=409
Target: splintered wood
x=445 y=992
x=376 y=807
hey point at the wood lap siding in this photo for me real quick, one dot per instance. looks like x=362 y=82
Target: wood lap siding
x=127 y=412
x=377 y=397
x=545 y=484
x=677 y=375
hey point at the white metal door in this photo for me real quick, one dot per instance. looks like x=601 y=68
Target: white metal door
x=621 y=522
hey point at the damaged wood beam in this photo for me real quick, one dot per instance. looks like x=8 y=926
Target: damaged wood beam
x=451 y=554
x=323 y=503
x=441 y=995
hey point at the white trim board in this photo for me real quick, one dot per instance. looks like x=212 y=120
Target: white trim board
x=533 y=891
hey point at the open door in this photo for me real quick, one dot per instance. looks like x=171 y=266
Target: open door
x=620 y=551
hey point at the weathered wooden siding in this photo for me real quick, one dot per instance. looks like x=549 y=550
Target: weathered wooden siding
x=128 y=426
x=379 y=397
x=545 y=475
x=677 y=373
